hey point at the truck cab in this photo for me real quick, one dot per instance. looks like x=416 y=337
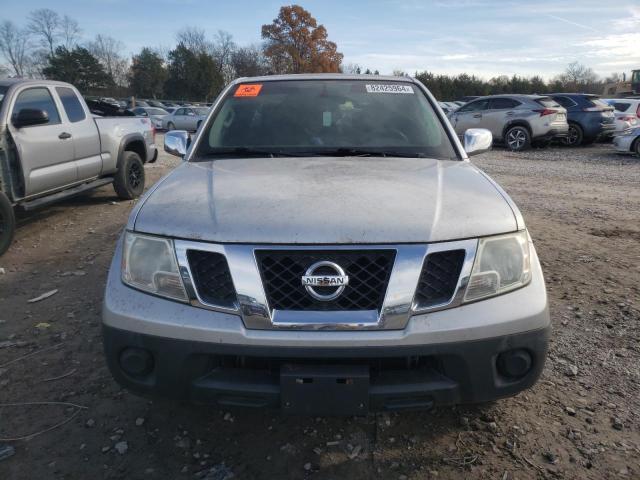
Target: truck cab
x=52 y=147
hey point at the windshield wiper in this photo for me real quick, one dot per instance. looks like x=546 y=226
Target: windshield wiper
x=252 y=152
x=320 y=152
x=365 y=152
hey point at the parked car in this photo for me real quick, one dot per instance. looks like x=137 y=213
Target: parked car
x=446 y=108
x=628 y=141
x=590 y=119
x=106 y=109
x=138 y=103
x=627 y=113
x=266 y=271
x=156 y=103
x=157 y=115
x=52 y=147
x=186 y=118
x=515 y=120
x=110 y=100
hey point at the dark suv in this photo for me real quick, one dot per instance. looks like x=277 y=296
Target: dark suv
x=589 y=118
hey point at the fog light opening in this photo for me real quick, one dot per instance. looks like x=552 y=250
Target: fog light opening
x=136 y=362
x=514 y=364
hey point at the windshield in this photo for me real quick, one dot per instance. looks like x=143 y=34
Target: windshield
x=332 y=117
x=201 y=110
x=157 y=111
x=547 y=102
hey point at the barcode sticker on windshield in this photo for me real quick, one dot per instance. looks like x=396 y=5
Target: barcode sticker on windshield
x=389 y=88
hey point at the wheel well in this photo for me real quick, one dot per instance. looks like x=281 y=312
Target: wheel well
x=138 y=147
x=577 y=124
x=634 y=144
x=516 y=123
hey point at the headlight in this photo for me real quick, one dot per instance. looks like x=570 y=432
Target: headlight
x=502 y=264
x=149 y=264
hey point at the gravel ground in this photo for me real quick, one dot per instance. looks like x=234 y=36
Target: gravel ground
x=580 y=421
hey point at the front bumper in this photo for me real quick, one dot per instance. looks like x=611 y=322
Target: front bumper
x=622 y=143
x=398 y=377
x=206 y=356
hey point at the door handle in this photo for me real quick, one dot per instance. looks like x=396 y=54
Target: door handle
x=509 y=113
x=477 y=115
x=64 y=136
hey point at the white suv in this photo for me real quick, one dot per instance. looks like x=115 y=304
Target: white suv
x=627 y=112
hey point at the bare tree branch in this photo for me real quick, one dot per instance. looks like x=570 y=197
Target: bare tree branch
x=14 y=46
x=45 y=23
x=194 y=39
x=70 y=32
x=107 y=50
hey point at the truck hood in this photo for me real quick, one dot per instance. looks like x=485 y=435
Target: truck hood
x=325 y=200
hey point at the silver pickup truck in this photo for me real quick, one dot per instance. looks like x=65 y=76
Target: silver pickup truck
x=326 y=247
x=52 y=147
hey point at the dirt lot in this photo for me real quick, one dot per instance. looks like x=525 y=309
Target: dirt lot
x=581 y=420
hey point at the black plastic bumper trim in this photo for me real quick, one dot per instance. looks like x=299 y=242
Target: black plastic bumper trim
x=466 y=372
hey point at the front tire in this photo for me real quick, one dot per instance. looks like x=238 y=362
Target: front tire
x=575 y=136
x=170 y=126
x=129 y=180
x=637 y=147
x=7 y=223
x=517 y=138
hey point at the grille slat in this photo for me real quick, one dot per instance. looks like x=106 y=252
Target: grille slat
x=439 y=278
x=212 y=278
x=368 y=271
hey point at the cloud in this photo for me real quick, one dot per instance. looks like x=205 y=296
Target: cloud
x=630 y=22
x=623 y=45
x=456 y=56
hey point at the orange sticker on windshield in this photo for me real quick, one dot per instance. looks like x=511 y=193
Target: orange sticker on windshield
x=248 y=90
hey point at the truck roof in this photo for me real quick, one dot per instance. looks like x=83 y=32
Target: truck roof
x=7 y=82
x=325 y=76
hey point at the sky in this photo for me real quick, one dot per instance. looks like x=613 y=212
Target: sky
x=482 y=37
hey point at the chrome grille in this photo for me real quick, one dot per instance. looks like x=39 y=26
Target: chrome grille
x=368 y=271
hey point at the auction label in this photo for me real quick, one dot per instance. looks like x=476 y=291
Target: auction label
x=389 y=88
x=248 y=90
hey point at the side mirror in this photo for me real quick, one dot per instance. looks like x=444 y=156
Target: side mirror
x=176 y=142
x=30 y=116
x=477 y=140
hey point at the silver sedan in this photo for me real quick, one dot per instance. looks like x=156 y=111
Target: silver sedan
x=186 y=118
x=628 y=141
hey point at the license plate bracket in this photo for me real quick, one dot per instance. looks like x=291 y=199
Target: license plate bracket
x=324 y=389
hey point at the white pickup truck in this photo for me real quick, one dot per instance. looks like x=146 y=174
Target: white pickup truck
x=52 y=147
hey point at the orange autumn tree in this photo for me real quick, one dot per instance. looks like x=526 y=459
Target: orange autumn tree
x=295 y=43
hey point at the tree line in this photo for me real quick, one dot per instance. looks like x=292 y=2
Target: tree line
x=575 y=78
x=52 y=46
